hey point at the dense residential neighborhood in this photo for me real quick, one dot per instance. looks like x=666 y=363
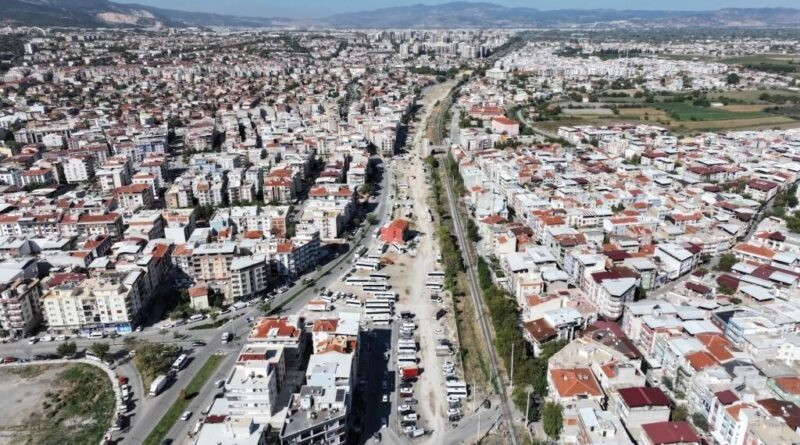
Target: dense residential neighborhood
x=284 y=236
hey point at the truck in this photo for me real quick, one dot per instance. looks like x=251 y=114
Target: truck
x=409 y=372
x=442 y=350
x=416 y=433
x=157 y=385
x=318 y=305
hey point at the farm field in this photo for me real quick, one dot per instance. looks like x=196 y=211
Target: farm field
x=685 y=111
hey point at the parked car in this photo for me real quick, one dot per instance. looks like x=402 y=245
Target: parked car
x=198 y=343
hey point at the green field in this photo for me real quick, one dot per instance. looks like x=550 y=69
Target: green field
x=173 y=414
x=685 y=111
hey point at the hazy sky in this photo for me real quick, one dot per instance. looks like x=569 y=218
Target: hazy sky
x=321 y=8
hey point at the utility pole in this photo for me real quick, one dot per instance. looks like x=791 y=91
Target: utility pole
x=512 y=367
x=527 y=408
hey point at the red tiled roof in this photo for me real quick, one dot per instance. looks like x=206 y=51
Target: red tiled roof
x=643 y=396
x=661 y=433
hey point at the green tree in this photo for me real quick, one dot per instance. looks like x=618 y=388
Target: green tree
x=732 y=79
x=679 y=413
x=371 y=219
x=67 y=349
x=700 y=422
x=726 y=262
x=552 y=420
x=100 y=349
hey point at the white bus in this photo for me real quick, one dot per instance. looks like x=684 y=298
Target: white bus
x=389 y=296
x=404 y=351
x=380 y=317
x=456 y=384
x=367 y=264
x=436 y=273
x=378 y=310
x=180 y=362
x=382 y=322
x=457 y=392
x=404 y=363
x=357 y=281
x=379 y=303
x=379 y=276
x=372 y=287
x=353 y=303
x=407 y=357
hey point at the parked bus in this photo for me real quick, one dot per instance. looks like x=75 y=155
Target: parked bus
x=405 y=363
x=367 y=264
x=379 y=276
x=436 y=273
x=382 y=322
x=457 y=392
x=378 y=310
x=380 y=317
x=180 y=362
x=379 y=303
x=372 y=287
x=353 y=303
x=407 y=357
x=389 y=296
x=357 y=281
x=403 y=351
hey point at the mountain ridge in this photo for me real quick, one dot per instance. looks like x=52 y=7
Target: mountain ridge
x=457 y=14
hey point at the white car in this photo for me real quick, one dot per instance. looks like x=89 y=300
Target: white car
x=404 y=407
x=61 y=337
x=413 y=417
x=384 y=422
x=385 y=398
x=453 y=412
x=186 y=415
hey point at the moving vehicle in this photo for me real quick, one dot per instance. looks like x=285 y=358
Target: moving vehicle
x=186 y=415
x=198 y=343
x=226 y=337
x=158 y=384
x=180 y=362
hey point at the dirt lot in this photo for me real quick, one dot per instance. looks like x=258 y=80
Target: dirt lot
x=55 y=404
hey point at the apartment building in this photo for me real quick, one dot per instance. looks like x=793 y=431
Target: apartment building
x=113 y=302
x=20 y=306
x=249 y=277
x=79 y=168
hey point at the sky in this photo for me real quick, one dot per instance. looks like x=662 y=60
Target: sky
x=322 y=8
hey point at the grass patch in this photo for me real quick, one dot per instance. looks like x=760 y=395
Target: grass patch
x=213 y=325
x=685 y=111
x=29 y=371
x=80 y=412
x=161 y=429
